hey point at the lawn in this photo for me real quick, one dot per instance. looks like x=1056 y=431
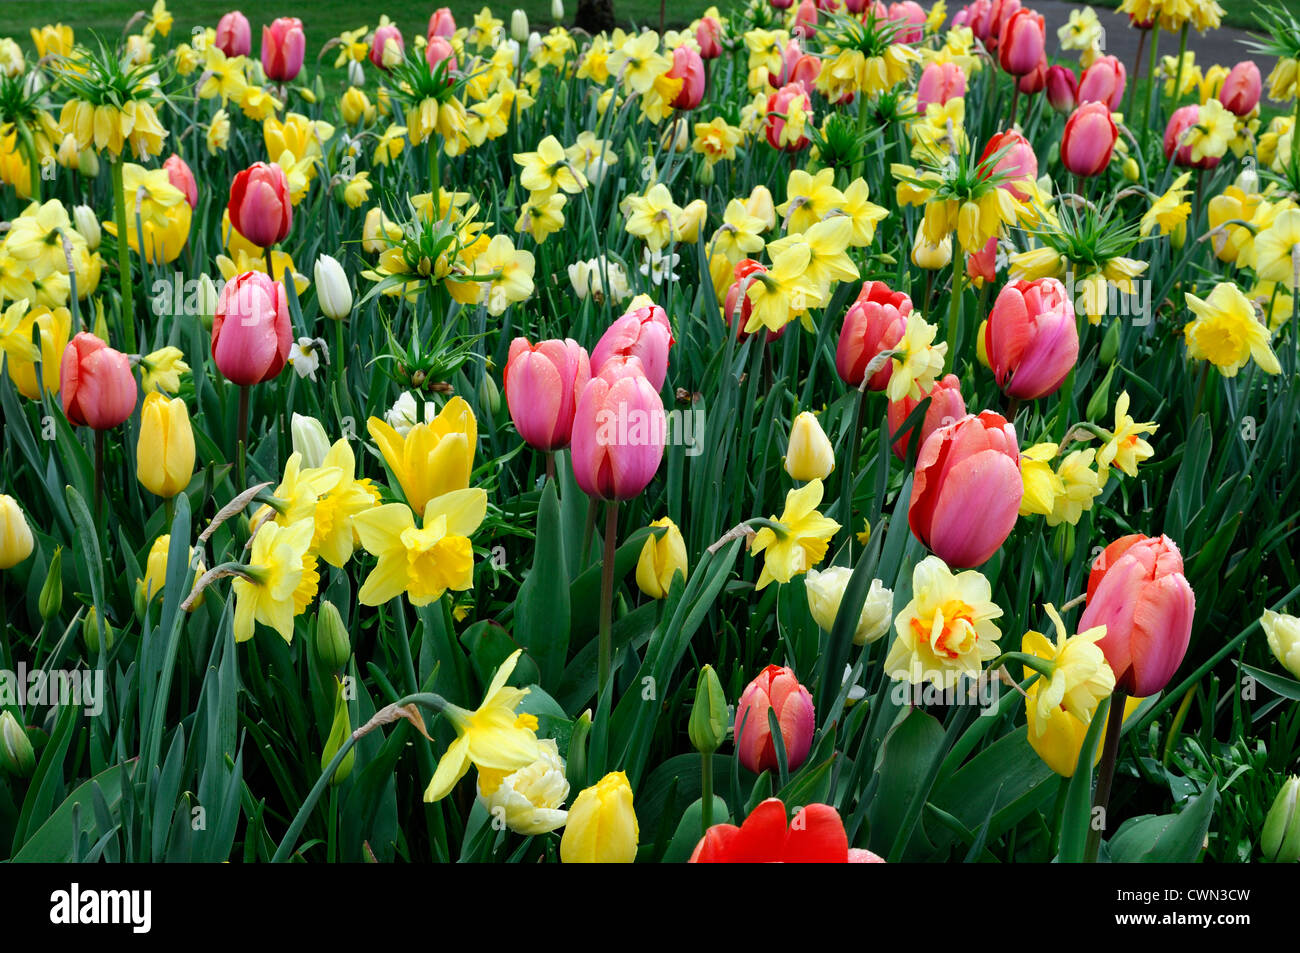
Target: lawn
x=322 y=19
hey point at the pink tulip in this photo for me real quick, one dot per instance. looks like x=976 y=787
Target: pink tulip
x=855 y=6
x=442 y=23
x=939 y=83
x=777 y=690
x=439 y=50
x=1103 y=82
x=983 y=264
x=1022 y=42
x=180 y=175
x=966 y=489
x=1137 y=590
x=909 y=17
x=543 y=382
x=1017 y=164
x=1033 y=82
x=805 y=19
x=382 y=35
x=260 y=207
x=1031 y=339
x=95 y=383
x=946 y=406
x=688 y=66
x=1241 y=88
x=782 y=4
x=986 y=20
x=874 y=323
x=643 y=333
x=1088 y=139
x=1176 y=146
x=709 y=35
x=619 y=429
x=778 y=104
x=283 y=46
x=789 y=56
x=805 y=72
x=234 y=34
x=1062 y=89
x=251 y=331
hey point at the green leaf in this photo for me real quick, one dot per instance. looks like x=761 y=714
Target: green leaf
x=1166 y=838
x=907 y=756
x=53 y=841
x=541 y=622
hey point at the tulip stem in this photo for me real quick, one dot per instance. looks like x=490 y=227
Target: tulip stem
x=1137 y=72
x=550 y=466
x=850 y=464
x=1106 y=774
x=607 y=594
x=1015 y=102
x=241 y=434
x=99 y=477
x=1154 y=91
x=954 y=307
x=270 y=264
x=123 y=257
x=1182 y=56
x=706 y=790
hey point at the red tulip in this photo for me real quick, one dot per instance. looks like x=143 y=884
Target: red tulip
x=382 y=36
x=251 y=330
x=815 y=836
x=874 y=323
x=805 y=71
x=1062 y=89
x=1032 y=340
x=939 y=83
x=442 y=23
x=782 y=4
x=543 y=382
x=966 y=489
x=709 y=35
x=909 y=17
x=1176 y=147
x=1241 y=88
x=778 y=105
x=777 y=690
x=983 y=264
x=260 y=207
x=688 y=66
x=1103 y=82
x=1137 y=590
x=1017 y=164
x=180 y=175
x=283 y=46
x=946 y=406
x=234 y=34
x=1022 y=42
x=95 y=383
x=643 y=333
x=619 y=429
x=1088 y=139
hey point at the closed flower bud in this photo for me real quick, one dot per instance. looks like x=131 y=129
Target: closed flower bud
x=810 y=455
x=602 y=826
x=1031 y=339
x=777 y=690
x=333 y=646
x=165 y=448
x=519 y=26
x=250 y=331
x=16 y=754
x=155 y=573
x=95 y=383
x=661 y=559
x=90 y=632
x=16 y=540
x=946 y=406
x=340 y=729
x=260 y=207
x=489 y=395
x=87 y=222
x=333 y=292
x=825 y=592
x=1280 y=838
x=557 y=10
x=51 y=600
x=1088 y=140
x=707 y=727
x=1283 y=633
x=1109 y=345
x=310 y=440
x=543 y=383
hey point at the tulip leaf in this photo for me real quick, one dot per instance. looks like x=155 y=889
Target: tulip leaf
x=1077 y=819
x=53 y=841
x=690 y=830
x=1003 y=784
x=1279 y=684
x=541 y=621
x=907 y=757
x=1166 y=838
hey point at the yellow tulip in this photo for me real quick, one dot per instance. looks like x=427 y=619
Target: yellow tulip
x=54 y=327
x=155 y=571
x=810 y=455
x=15 y=535
x=1283 y=633
x=165 y=450
x=661 y=559
x=433 y=458
x=602 y=826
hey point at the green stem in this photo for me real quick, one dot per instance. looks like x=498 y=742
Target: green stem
x=1137 y=71
x=954 y=307
x=241 y=434
x=850 y=464
x=99 y=478
x=706 y=791
x=862 y=132
x=1154 y=91
x=1182 y=56
x=270 y=264
x=123 y=257
x=1106 y=774
x=435 y=175
x=605 y=648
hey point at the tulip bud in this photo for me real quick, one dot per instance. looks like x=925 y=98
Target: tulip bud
x=333 y=292
x=489 y=395
x=87 y=222
x=356 y=73
x=51 y=600
x=775 y=689
x=825 y=592
x=333 y=646
x=1031 y=339
x=95 y=383
x=1063 y=542
x=1088 y=140
x=90 y=630
x=707 y=727
x=16 y=542
x=602 y=826
x=619 y=430
x=1283 y=633
x=165 y=448
x=283 y=46
x=260 y=206
x=339 y=732
x=519 y=26
x=1109 y=344
x=544 y=382
x=661 y=559
x=16 y=754
x=250 y=330
x=1280 y=838
x=705 y=175
x=557 y=11
x=875 y=322
x=643 y=332
x=310 y=440
x=810 y=455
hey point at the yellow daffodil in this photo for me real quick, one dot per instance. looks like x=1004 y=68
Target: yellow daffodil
x=335 y=537
x=1080 y=675
x=810 y=198
x=1169 y=210
x=920 y=362
x=279 y=581
x=161 y=370
x=716 y=140
x=782 y=292
x=1080 y=486
x=800 y=540
x=1042 y=485
x=1277 y=248
x=1126 y=448
x=1227 y=332
x=652 y=216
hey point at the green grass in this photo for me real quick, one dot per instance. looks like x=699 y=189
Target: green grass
x=322 y=19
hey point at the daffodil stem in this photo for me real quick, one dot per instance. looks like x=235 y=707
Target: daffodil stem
x=123 y=257
x=1200 y=388
x=1105 y=774
x=604 y=648
x=954 y=307
x=241 y=434
x=706 y=790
